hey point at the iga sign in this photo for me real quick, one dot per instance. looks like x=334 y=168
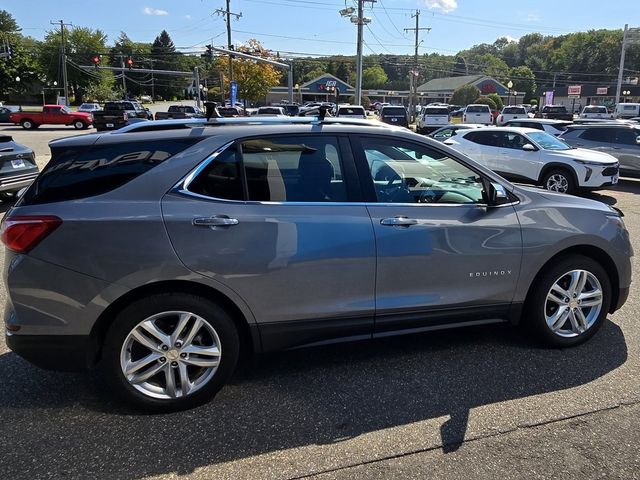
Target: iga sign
x=574 y=90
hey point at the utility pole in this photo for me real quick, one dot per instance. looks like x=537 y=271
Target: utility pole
x=413 y=76
x=621 y=69
x=361 y=21
x=228 y=13
x=63 y=58
x=196 y=79
x=124 y=79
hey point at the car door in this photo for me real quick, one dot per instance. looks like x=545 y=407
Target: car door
x=627 y=150
x=488 y=147
x=442 y=254
x=596 y=138
x=516 y=162
x=272 y=218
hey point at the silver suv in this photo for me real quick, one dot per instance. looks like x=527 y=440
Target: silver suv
x=162 y=257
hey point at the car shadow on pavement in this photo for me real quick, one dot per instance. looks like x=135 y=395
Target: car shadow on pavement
x=286 y=400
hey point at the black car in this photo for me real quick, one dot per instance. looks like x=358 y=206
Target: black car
x=394 y=115
x=6 y=111
x=17 y=167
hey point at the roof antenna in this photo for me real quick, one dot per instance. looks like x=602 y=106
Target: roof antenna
x=322 y=111
x=211 y=109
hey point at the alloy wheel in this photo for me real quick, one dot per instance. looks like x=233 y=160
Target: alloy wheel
x=573 y=303
x=557 y=183
x=170 y=354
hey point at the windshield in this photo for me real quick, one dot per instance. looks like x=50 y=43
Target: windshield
x=595 y=109
x=65 y=110
x=393 y=111
x=548 y=142
x=351 y=111
x=436 y=111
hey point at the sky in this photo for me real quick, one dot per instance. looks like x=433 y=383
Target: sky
x=296 y=27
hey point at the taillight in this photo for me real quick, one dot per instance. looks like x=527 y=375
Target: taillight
x=464 y=118
x=21 y=233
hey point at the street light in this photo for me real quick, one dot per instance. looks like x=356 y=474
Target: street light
x=17 y=79
x=509 y=86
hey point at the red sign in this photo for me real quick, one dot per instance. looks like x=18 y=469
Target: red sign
x=488 y=88
x=602 y=90
x=575 y=90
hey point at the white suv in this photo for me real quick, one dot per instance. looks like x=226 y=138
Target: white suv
x=432 y=117
x=511 y=113
x=532 y=156
x=595 y=111
x=477 y=113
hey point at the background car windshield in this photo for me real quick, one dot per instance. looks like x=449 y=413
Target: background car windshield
x=548 y=142
x=394 y=111
x=436 y=111
x=478 y=109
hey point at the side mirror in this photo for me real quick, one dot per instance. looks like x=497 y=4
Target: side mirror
x=638 y=140
x=449 y=142
x=527 y=147
x=498 y=195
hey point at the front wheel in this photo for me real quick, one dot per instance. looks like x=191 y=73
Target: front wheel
x=559 y=180
x=569 y=301
x=79 y=124
x=170 y=352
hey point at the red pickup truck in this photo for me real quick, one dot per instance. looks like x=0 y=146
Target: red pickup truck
x=52 y=115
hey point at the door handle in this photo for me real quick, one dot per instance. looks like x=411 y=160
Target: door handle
x=399 y=221
x=579 y=144
x=218 y=221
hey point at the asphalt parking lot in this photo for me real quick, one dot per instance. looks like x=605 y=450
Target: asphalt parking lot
x=480 y=403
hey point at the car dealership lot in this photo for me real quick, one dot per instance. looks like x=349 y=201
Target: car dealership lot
x=433 y=397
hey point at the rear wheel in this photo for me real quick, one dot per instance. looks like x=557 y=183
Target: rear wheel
x=559 y=180
x=27 y=124
x=170 y=352
x=569 y=301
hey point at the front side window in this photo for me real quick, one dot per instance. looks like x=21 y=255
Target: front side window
x=512 y=140
x=548 y=142
x=294 y=169
x=409 y=173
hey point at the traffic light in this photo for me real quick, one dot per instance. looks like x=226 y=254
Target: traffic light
x=129 y=63
x=209 y=53
x=96 y=60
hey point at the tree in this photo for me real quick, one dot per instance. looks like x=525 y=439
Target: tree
x=8 y=24
x=165 y=57
x=254 y=79
x=497 y=100
x=465 y=95
x=492 y=66
x=486 y=101
x=460 y=66
x=81 y=44
x=374 y=77
x=523 y=80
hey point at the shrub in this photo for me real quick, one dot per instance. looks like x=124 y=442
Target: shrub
x=486 y=101
x=497 y=100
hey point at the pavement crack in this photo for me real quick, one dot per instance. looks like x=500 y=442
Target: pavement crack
x=468 y=440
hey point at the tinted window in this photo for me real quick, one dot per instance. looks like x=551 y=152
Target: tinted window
x=514 y=141
x=514 y=110
x=436 y=111
x=595 y=109
x=407 y=173
x=389 y=111
x=270 y=111
x=294 y=169
x=72 y=174
x=627 y=136
x=478 y=109
x=351 y=111
x=554 y=109
x=492 y=139
x=221 y=177
x=118 y=106
x=597 y=134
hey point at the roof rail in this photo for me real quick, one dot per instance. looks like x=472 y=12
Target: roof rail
x=157 y=125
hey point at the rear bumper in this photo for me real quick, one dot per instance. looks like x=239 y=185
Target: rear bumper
x=69 y=353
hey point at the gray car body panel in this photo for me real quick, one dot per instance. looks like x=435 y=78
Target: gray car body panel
x=117 y=242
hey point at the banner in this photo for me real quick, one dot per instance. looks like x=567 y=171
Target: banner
x=548 y=97
x=234 y=93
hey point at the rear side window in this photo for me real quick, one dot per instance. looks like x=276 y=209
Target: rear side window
x=73 y=174
x=491 y=139
x=514 y=110
x=221 y=177
x=294 y=169
x=597 y=134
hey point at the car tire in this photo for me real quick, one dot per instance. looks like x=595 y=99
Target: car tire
x=568 y=301
x=188 y=331
x=27 y=124
x=559 y=180
x=8 y=196
x=79 y=125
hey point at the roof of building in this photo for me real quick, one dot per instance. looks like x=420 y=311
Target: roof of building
x=449 y=83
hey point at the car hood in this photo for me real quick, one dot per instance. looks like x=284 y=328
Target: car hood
x=565 y=200
x=583 y=154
